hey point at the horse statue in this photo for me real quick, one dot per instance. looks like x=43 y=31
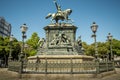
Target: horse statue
x=60 y=15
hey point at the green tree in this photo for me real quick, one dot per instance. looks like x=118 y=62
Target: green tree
x=1 y=41
x=116 y=47
x=5 y=49
x=32 y=44
x=6 y=45
x=102 y=49
x=16 y=49
x=90 y=50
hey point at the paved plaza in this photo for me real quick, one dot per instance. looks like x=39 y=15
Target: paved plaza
x=7 y=75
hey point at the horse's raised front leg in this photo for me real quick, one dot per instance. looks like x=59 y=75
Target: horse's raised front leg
x=68 y=20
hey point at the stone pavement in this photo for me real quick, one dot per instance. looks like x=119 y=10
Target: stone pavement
x=7 y=75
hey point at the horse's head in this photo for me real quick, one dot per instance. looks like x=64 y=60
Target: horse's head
x=69 y=11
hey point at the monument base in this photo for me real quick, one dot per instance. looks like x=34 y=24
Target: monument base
x=61 y=64
x=59 y=58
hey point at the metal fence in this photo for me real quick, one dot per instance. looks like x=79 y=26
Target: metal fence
x=66 y=66
x=14 y=66
x=60 y=68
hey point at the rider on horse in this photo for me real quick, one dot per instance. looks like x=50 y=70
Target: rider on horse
x=59 y=11
x=60 y=15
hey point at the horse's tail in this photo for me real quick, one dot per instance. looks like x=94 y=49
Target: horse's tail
x=49 y=15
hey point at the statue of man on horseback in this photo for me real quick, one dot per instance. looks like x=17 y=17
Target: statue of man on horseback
x=60 y=15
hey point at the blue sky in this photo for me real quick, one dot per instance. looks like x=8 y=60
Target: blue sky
x=106 y=13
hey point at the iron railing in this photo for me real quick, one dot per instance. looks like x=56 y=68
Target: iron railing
x=14 y=66
x=60 y=66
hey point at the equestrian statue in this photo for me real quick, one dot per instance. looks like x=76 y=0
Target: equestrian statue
x=60 y=14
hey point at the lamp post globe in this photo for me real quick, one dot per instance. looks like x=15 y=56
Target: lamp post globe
x=109 y=37
x=94 y=27
x=24 y=28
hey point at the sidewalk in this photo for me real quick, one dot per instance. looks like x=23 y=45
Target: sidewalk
x=7 y=75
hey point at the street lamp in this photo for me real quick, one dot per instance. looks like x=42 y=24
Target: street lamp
x=23 y=30
x=11 y=40
x=94 y=30
x=109 y=38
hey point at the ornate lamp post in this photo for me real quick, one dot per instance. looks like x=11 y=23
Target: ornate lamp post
x=23 y=30
x=109 y=38
x=10 y=54
x=94 y=30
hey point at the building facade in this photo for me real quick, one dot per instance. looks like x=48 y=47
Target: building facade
x=5 y=28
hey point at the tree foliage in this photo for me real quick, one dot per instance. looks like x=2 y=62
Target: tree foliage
x=103 y=48
x=32 y=44
x=116 y=46
x=5 y=49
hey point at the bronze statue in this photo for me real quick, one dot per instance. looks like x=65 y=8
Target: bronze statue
x=60 y=15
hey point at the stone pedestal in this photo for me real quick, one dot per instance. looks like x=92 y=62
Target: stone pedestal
x=59 y=30
x=60 y=40
x=61 y=58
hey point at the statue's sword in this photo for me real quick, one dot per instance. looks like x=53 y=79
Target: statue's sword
x=56 y=4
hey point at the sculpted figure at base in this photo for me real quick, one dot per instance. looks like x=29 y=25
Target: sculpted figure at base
x=41 y=42
x=60 y=39
x=79 y=42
